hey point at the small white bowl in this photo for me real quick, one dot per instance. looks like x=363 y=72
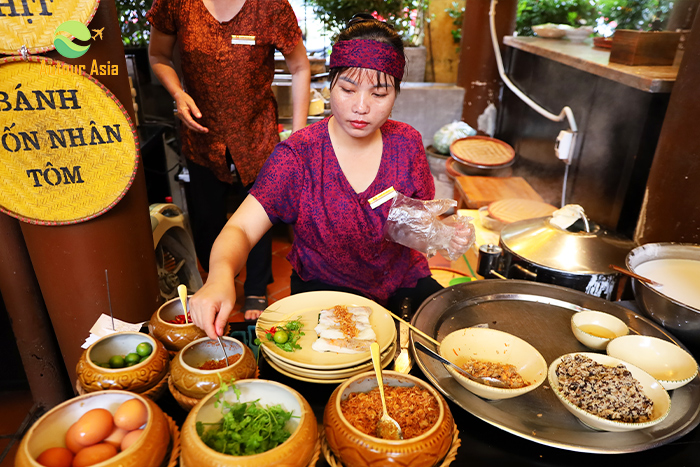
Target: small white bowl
x=652 y=389
x=549 y=30
x=579 y=34
x=595 y=329
x=672 y=366
x=495 y=346
x=489 y=222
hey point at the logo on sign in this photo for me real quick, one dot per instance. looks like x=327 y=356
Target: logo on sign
x=65 y=46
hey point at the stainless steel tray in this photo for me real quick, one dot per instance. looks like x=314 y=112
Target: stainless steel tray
x=541 y=314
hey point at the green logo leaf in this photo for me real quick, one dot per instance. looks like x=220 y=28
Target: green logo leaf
x=64 y=46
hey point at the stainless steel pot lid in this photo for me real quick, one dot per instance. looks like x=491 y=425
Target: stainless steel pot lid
x=579 y=252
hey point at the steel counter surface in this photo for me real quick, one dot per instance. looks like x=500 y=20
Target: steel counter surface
x=482 y=443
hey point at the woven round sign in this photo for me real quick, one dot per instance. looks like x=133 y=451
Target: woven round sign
x=68 y=150
x=33 y=24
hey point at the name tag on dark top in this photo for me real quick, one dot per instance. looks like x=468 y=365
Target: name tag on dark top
x=243 y=40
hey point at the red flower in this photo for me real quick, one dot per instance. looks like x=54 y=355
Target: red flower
x=377 y=16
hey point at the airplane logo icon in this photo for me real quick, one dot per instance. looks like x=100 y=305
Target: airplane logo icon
x=98 y=32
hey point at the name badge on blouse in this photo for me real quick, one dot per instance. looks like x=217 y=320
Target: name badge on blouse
x=243 y=40
x=382 y=197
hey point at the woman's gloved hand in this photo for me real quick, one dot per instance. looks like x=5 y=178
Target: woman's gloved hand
x=415 y=224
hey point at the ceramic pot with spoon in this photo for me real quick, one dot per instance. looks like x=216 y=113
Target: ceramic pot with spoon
x=192 y=381
x=174 y=336
x=353 y=448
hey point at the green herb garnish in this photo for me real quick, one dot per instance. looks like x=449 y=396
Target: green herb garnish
x=285 y=336
x=247 y=428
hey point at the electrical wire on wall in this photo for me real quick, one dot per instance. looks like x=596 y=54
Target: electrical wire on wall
x=565 y=144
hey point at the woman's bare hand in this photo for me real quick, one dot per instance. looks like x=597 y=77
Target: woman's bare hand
x=187 y=111
x=211 y=307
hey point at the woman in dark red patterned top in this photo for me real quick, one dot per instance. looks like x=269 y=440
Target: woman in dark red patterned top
x=321 y=179
x=227 y=107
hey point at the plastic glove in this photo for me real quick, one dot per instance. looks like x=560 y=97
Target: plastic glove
x=415 y=224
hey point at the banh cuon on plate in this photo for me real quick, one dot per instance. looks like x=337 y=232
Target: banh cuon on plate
x=306 y=307
x=344 y=329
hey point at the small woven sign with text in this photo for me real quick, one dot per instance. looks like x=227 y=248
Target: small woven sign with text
x=68 y=150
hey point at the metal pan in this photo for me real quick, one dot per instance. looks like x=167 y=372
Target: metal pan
x=541 y=315
x=683 y=320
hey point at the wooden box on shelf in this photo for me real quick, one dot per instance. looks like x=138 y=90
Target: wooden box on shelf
x=644 y=48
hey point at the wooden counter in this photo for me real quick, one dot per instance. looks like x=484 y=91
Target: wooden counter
x=585 y=57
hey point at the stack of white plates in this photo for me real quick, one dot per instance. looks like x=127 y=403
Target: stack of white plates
x=306 y=364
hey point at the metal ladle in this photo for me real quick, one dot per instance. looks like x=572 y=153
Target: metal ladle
x=485 y=380
x=182 y=292
x=221 y=343
x=387 y=427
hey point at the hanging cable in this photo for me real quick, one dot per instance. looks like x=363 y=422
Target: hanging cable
x=566 y=112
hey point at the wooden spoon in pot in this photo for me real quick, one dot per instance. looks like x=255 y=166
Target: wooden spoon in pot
x=387 y=427
x=182 y=292
x=624 y=271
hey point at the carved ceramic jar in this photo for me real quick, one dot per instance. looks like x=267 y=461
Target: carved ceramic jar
x=354 y=448
x=296 y=451
x=137 y=378
x=173 y=336
x=191 y=381
x=50 y=430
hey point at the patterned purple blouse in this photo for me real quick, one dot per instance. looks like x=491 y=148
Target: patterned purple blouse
x=338 y=237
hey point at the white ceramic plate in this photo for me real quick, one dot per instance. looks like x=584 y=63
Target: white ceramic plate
x=330 y=374
x=307 y=306
x=310 y=379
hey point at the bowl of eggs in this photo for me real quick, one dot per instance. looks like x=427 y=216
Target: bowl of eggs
x=109 y=428
x=132 y=361
x=200 y=366
x=170 y=326
x=596 y=329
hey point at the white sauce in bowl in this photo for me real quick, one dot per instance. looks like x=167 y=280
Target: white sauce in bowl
x=680 y=278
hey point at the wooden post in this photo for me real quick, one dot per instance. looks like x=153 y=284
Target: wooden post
x=46 y=373
x=478 y=73
x=671 y=208
x=70 y=261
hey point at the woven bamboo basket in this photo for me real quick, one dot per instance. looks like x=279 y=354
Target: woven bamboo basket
x=182 y=400
x=153 y=393
x=73 y=155
x=36 y=32
x=449 y=457
x=174 y=440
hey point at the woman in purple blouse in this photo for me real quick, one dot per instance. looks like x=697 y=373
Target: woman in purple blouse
x=321 y=181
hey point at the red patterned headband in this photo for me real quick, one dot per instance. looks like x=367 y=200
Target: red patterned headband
x=364 y=53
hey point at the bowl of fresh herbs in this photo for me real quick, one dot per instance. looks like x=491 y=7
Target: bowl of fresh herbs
x=250 y=423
